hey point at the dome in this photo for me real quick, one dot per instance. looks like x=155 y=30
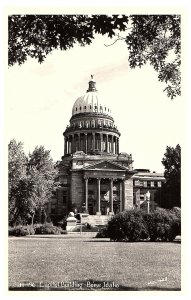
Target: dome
x=90 y=102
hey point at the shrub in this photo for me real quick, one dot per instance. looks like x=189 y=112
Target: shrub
x=128 y=225
x=47 y=228
x=19 y=230
x=137 y=225
x=102 y=233
x=162 y=225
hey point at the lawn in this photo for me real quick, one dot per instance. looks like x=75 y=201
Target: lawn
x=86 y=263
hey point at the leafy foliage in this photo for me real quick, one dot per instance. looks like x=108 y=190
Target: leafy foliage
x=21 y=230
x=153 y=39
x=137 y=225
x=47 y=228
x=163 y=225
x=149 y=38
x=128 y=225
x=31 y=181
x=17 y=162
x=171 y=191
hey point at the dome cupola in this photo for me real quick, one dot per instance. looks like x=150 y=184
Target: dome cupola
x=90 y=102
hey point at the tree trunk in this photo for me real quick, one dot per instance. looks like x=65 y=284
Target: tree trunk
x=32 y=221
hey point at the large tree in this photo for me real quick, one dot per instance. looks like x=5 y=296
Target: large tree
x=171 y=191
x=31 y=182
x=153 y=39
x=17 y=164
x=42 y=170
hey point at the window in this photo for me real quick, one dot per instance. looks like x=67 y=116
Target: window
x=144 y=183
x=159 y=184
x=90 y=107
x=76 y=108
x=105 y=108
x=152 y=183
x=95 y=107
x=155 y=183
x=148 y=183
x=84 y=107
x=80 y=108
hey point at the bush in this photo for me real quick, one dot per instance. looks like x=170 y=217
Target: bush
x=102 y=233
x=21 y=230
x=163 y=225
x=47 y=228
x=137 y=225
x=128 y=225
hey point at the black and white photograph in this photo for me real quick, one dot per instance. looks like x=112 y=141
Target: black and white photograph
x=95 y=126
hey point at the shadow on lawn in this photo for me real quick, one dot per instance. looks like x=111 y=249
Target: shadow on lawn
x=89 y=285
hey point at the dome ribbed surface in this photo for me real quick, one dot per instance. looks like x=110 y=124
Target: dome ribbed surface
x=90 y=103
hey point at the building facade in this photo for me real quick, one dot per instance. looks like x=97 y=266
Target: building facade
x=94 y=176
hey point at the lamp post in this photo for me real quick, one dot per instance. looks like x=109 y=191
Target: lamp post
x=148 y=195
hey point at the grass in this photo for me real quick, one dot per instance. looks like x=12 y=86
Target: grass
x=85 y=263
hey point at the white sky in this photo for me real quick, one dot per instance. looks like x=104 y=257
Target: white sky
x=40 y=98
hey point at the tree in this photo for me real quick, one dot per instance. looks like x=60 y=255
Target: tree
x=17 y=164
x=31 y=181
x=42 y=171
x=171 y=191
x=153 y=39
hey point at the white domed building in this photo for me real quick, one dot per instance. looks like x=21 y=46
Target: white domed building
x=94 y=176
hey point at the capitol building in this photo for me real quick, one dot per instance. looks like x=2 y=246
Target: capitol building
x=94 y=176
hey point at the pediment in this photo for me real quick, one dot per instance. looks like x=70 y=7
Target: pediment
x=106 y=165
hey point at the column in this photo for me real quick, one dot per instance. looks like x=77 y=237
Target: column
x=78 y=141
x=111 y=196
x=101 y=141
x=98 y=197
x=69 y=144
x=107 y=143
x=86 y=193
x=72 y=146
x=93 y=141
x=117 y=145
x=112 y=144
x=65 y=145
x=86 y=143
x=121 y=196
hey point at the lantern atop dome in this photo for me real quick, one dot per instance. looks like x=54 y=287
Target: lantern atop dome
x=92 y=85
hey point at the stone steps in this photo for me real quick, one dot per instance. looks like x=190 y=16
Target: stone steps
x=98 y=220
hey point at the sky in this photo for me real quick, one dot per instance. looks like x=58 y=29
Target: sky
x=40 y=97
